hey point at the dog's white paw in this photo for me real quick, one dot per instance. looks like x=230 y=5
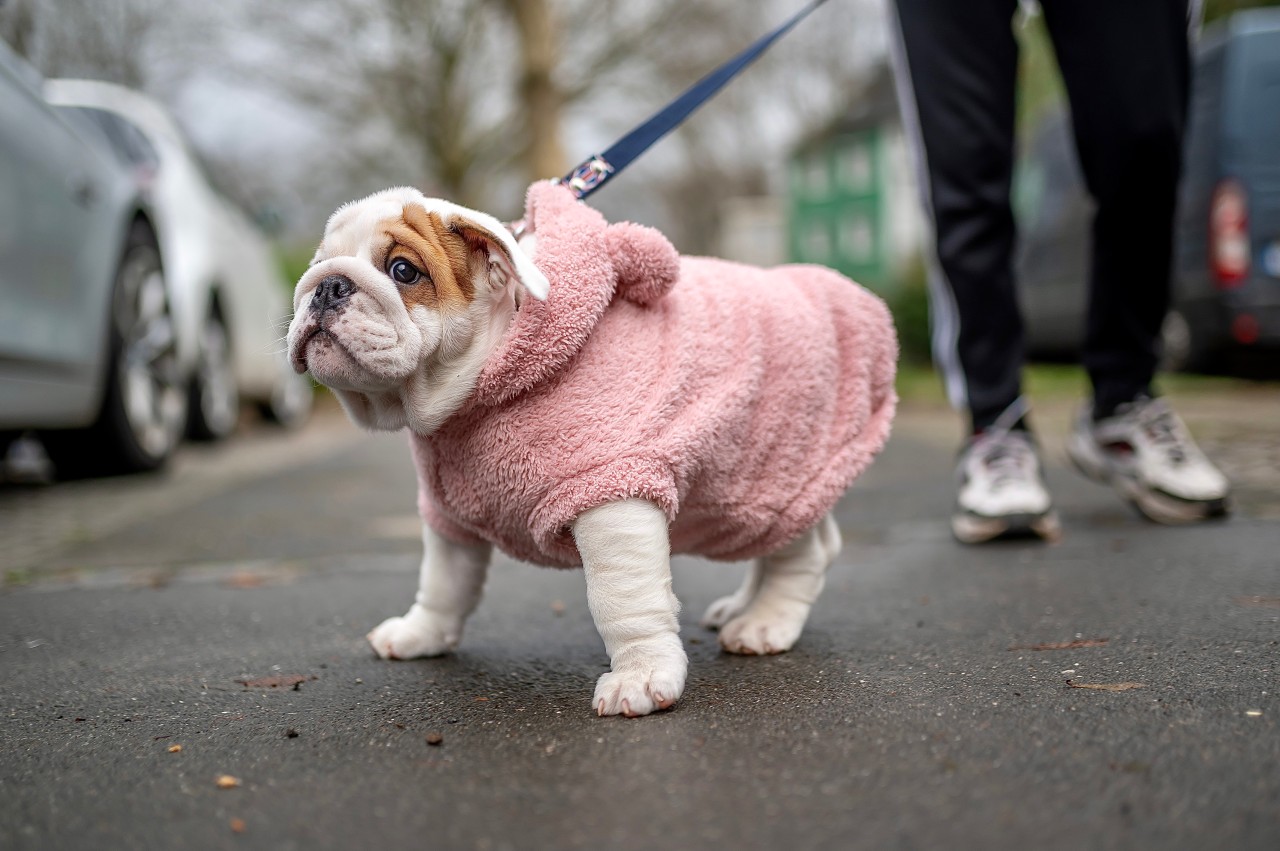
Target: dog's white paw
x=638 y=691
x=759 y=633
x=724 y=610
x=418 y=633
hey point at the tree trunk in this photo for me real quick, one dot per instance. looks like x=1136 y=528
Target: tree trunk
x=541 y=101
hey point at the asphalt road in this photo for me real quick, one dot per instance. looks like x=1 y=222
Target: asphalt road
x=1117 y=690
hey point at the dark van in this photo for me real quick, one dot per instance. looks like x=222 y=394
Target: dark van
x=1227 y=260
x=1226 y=271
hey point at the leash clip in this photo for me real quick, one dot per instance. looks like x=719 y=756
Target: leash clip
x=586 y=177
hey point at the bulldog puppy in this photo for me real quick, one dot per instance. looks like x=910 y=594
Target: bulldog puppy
x=635 y=404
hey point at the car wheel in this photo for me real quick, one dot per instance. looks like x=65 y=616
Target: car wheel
x=291 y=400
x=143 y=410
x=215 y=394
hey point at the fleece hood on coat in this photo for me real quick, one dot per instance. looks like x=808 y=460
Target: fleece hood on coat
x=589 y=262
x=742 y=401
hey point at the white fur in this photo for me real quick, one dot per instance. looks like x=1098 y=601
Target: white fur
x=786 y=583
x=627 y=561
x=449 y=589
x=393 y=368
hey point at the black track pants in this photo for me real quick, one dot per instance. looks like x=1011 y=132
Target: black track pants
x=1126 y=64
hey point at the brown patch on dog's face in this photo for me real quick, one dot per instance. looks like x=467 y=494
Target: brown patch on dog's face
x=440 y=256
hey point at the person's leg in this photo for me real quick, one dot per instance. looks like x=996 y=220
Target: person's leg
x=1127 y=67
x=1127 y=70
x=956 y=68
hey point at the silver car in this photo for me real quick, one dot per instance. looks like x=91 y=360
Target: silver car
x=231 y=301
x=88 y=351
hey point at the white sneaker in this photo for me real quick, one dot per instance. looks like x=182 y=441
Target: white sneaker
x=1147 y=455
x=1001 y=490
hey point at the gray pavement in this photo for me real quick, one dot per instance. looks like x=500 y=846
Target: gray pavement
x=923 y=708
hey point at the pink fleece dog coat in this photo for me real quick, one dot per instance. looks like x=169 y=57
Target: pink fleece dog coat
x=741 y=401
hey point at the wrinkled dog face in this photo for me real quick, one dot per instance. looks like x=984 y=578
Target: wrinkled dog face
x=405 y=297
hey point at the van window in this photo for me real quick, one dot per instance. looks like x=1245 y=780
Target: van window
x=1257 y=106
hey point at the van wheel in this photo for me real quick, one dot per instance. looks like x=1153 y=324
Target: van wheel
x=143 y=409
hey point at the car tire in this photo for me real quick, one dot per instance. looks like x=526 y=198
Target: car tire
x=214 y=397
x=143 y=412
x=291 y=400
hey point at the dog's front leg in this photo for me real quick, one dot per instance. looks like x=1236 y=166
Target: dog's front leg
x=627 y=560
x=449 y=589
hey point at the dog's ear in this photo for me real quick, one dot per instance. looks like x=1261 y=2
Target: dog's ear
x=485 y=234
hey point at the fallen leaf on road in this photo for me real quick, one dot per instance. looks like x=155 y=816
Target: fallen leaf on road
x=226 y=781
x=244 y=580
x=237 y=825
x=175 y=748
x=1063 y=645
x=261 y=575
x=434 y=739
x=160 y=580
x=1106 y=686
x=1265 y=602
x=287 y=681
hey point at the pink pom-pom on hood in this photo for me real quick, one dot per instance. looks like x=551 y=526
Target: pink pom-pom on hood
x=644 y=261
x=742 y=401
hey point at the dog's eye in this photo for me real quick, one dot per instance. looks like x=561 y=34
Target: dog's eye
x=403 y=272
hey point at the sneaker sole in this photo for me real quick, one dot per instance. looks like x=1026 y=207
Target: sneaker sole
x=1168 y=510
x=1157 y=506
x=976 y=529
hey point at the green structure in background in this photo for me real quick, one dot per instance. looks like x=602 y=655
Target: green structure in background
x=835 y=216
x=844 y=183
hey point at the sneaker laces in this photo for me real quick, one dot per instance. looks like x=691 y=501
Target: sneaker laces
x=1006 y=456
x=1161 y=426
x=1004 y=452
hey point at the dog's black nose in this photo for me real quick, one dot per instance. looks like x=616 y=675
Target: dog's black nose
x=332 y=292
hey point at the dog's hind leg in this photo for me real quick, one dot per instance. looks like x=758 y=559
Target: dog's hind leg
x=727 y=608
x=790 y=580
x=449 y=588
x=626 y=556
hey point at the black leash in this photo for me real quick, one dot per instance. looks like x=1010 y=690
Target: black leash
x=593 y=173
